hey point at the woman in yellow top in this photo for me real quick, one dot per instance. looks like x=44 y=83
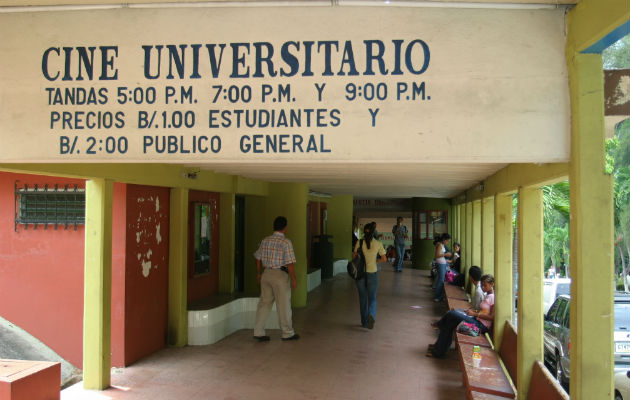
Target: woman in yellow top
x=369 y=283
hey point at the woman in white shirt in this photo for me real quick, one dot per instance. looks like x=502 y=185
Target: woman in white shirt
x=440 y=259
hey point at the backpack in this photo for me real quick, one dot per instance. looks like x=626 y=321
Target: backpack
x=468 y=329
x=356 y=267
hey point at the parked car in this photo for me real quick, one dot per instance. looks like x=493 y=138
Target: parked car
x=557 y=336
x=552 y=288
x=622 y=385
x=622 y=329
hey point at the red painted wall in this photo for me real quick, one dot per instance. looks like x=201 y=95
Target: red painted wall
x=203 y=285
x=146 y=271
x=41 y=274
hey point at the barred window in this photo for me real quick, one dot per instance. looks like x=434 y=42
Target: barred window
x=49 y=205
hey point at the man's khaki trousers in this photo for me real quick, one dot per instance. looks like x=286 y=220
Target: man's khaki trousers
x=275 y=285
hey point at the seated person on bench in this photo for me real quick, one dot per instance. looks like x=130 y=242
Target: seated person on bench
x=482 y=319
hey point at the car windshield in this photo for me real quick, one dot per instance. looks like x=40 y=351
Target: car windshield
x=622 y=316
x=563 y=288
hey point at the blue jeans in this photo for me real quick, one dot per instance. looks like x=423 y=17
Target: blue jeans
x=447 y=326
x=400 y=255
x=439 y=282
x=367 y=296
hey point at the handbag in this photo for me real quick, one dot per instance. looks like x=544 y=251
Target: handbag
x=468 y=329
x=356 y=266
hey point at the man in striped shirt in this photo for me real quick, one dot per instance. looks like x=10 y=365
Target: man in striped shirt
x=276 y=277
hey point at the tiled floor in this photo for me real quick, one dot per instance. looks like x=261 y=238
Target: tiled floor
x=335 y=359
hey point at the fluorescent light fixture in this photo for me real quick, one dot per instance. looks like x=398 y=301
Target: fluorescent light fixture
x=288 y=3
x=318 y=194
x=447 y=4
x=200 y=4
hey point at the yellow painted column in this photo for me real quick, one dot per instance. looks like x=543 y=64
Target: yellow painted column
x=487 y=235
x=530 y=303
x=457 y=223
x=289 y=200
x=468 y=243
x=98 y=284
x=227 y=217
x=177 y=268
x=591 y=236
x=340 y=225
x=503 y=296
x=476 y=233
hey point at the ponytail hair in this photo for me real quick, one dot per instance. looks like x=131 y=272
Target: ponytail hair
x=368 y=234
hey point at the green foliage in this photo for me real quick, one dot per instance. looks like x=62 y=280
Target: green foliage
x=618 y=152
x=556 y=206
x=617 y=55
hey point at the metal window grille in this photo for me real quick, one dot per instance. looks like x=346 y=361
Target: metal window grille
x=57 y=206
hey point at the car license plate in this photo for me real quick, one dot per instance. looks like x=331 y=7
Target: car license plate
x=622 y=347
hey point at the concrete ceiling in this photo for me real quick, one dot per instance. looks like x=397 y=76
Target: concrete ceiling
x=368 y=180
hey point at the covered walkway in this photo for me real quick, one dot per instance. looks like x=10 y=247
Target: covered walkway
x=334 y=359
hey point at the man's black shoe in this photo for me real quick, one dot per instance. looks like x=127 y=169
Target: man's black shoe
x=262 y=338
x=294 y=337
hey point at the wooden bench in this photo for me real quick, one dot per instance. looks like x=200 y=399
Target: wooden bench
x=490 y=377
x=481 y=340
x=29 y=380
x=455 y=292
x=544 y=386
x=457 y=303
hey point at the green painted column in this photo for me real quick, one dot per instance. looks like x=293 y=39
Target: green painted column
x=503 y=296
x=530 y=303
x=98 y=284
x=227 y=218
x=468 y=243
x=487 y=234
x=591 y=236
x=340 y=225
x=476 y=233
x=290 y=200
x=456 y=224
x=177 y=268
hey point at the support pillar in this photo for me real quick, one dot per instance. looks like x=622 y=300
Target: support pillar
x=476 y=233
x=530 y=304
x=487 y=235
x=591 y=235
x=503 y=295
x=227 y=218
x=177 y=268
x=467 y=245
x=98 y=284
x=289 y=200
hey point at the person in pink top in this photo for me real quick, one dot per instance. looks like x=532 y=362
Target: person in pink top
x=482 y=318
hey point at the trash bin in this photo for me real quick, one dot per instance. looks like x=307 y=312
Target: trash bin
x=322 y=255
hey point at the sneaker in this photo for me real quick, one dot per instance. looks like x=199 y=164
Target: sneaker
x=262 y=338
x=294 y=337
x=370 y=322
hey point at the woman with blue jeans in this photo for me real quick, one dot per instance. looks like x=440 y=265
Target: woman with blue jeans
x=440 y=260
x=368 y=285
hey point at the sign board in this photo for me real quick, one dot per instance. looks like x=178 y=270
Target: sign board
x=283 y=84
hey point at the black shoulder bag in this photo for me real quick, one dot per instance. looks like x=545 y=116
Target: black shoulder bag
x=356 y=267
